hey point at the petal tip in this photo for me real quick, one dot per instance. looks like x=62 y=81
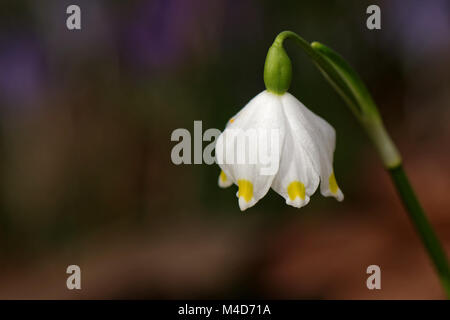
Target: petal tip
x=223 y=180
x=338 y=195
x=244 y=204
x=298 y=202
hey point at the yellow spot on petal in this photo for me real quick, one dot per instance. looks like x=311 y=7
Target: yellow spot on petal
x=245 y=189
x=333 y=184
x=231 y=120
x=223 y=176
x=296 y=189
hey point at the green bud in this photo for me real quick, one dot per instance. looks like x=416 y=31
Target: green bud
x=277 y=69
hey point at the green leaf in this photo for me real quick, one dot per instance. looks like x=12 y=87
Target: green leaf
x=351 y=84
x=329 y=71
x=351 y=88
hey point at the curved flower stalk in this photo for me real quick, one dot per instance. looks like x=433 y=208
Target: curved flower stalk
x=307 y=141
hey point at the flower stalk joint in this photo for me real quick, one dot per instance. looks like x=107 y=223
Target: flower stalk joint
x=277 y=69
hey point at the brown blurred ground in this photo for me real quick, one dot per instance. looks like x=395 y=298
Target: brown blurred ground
x=324 y=258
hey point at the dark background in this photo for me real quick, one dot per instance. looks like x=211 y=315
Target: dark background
x=86 y=176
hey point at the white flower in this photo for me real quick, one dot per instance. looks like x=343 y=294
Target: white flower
x=301 y=151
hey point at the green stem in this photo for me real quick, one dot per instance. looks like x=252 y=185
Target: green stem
x=353 y=91
x=422 y=225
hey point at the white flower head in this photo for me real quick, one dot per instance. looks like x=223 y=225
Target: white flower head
x=276 y=142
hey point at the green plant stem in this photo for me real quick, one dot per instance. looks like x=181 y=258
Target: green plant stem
x=422 y=225
x=355 y=94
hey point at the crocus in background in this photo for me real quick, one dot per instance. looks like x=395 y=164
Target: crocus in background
x=307 y=142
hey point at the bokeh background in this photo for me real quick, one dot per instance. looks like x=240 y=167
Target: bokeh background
x=86 y=176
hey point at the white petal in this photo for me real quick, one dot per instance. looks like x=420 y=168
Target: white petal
x=296 y=179
x=224 y=181
x=317 y=138
x=257 y=130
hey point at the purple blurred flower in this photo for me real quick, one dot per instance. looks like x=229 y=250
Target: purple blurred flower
x=22 y=71
x=164 y=32
x=420 y=28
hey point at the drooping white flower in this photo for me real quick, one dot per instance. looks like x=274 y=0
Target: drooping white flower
x=276 y=142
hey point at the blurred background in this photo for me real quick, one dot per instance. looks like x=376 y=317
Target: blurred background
x=86 y=176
